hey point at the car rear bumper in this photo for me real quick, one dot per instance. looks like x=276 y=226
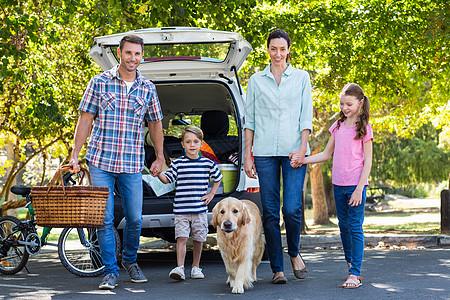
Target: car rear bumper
x=166 y=220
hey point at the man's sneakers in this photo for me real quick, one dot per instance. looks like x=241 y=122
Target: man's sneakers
x=178 y=273
x=196 y=273
x=135 y=272
x=109 y=282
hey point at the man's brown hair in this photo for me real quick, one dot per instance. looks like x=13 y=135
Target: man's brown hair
x=131 y=39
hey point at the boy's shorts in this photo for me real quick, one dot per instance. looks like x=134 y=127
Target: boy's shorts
x=195 y=223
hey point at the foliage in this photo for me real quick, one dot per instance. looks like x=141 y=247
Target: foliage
x=397 y=50
x=42 y=77
x=410 y=161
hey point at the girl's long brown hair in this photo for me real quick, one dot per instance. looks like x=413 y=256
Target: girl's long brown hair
x=352 y=89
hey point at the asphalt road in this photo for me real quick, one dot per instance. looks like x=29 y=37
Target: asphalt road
x=391 y=274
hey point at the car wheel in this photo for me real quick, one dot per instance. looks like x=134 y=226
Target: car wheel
x=166 y=234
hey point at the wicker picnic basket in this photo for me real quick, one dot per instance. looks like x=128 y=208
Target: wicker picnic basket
x=75 y=206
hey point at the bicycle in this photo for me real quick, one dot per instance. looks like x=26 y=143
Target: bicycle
x=78 y=248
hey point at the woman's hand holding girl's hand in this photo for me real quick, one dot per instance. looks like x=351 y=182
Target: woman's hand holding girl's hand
x=356 y=198
x=297 y=158
x=249 y=167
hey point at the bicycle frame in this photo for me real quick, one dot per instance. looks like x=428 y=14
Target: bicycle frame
x=45 y=231
x=25 y=227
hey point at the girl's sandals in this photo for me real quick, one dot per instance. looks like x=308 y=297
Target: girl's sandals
x=352 y=282
x=300 y=274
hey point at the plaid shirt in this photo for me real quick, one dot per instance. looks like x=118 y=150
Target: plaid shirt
x=116 y=144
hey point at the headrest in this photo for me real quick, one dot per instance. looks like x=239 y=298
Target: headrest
x=214 y=123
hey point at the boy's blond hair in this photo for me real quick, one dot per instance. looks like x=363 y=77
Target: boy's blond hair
x=192 y=129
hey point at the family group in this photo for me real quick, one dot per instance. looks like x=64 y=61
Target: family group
x=278 y=123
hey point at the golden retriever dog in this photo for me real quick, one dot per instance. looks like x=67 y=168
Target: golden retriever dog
x=239 y=235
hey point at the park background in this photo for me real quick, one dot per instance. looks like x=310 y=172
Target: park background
x=398 y=51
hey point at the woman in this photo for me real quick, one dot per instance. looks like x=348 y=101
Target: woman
x=278 y=121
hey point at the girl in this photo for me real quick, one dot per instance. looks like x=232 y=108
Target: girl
x=351 y=140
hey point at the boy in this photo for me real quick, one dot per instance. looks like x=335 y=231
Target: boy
x=191 y=172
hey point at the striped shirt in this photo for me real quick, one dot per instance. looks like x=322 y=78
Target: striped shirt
x=192 y=179
x=116 y=143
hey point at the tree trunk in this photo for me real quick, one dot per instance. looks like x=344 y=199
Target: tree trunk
x=331 y=205
x=318 y=194
x=16 y=168
x=10 y=196
x=11 y=206
x=304 y=227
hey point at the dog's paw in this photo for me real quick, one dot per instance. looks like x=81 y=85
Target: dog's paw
x=237 y=290
x=248 y=284
x=228 y=281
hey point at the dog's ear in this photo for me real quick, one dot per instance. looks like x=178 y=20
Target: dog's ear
x=214 y=222
x=245 y=215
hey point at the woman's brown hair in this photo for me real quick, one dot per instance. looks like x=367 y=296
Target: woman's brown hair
x=352 y=89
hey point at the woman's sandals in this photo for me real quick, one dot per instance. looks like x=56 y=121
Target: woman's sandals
x=279 y=280
x=300 y=274
x=352 y=282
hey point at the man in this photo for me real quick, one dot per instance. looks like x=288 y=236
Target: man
x=115 y=104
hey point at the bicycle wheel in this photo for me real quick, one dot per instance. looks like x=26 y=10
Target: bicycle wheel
x=79 y=251
x=12 y=258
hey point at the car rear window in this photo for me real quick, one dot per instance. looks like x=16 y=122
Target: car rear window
x=210 y=52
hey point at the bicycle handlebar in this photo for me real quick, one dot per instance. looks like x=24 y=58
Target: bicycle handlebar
x=24 y=191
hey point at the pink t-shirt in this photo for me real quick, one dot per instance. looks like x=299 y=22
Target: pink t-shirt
x=348 y=158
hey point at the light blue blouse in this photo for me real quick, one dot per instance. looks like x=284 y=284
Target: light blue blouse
x=278 y=114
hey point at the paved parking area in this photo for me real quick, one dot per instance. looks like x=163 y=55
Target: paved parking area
x=392 y=274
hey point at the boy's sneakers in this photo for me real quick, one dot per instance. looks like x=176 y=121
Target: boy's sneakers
x=177 y=273
x=109 y=282
x=135 y=272
x=196 y=273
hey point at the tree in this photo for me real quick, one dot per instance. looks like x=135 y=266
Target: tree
x=405 y=161
x=40 y=84
x=318 y=193
x=45 y=66
x=397 y=51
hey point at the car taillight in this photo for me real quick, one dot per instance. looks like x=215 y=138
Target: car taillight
x=253 y=190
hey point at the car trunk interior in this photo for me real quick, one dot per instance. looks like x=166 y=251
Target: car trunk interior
x=210 y=106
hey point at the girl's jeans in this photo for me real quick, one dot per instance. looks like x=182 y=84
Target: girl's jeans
x=268 y=170
x=130 y=189
x=350 y=225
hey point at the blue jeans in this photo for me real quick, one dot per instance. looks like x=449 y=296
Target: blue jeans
x=350 y=225
x=130 y=188
x=268 y=169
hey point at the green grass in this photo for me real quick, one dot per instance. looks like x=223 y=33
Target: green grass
x=22 y=213
x=422 y=228
x=399 y=214
x=427 y=222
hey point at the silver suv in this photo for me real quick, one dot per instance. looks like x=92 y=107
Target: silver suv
x=195 y=73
